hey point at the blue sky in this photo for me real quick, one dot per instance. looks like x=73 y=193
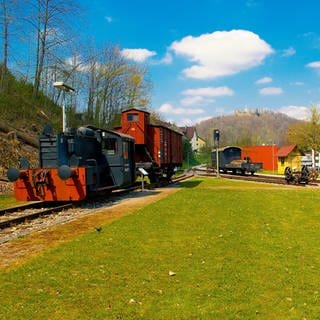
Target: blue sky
x=209 y=57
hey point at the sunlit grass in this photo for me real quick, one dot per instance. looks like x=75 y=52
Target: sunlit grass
x=7 y=201
x=237 y=252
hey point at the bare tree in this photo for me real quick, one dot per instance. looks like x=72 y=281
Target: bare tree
x=5 y=24
x=138 y=88
x=7 y=7
x=48 y=20
x=122 y=85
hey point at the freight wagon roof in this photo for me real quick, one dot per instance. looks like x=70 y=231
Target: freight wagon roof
x=158 y=123
x=136 y=109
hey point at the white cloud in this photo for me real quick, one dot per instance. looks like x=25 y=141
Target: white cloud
x=109 y=19
x=252 y=3
x=298 y=112
x=296 y=83
x=288 y=52
x=168 y=108
x=185 y=122
x=76 y=62
x=138 y=55
x=209 y=92
x=167 y=59
x=192 y=100
x=271 y=91
x=202 y=96
x=314 y=65
x=221 y=53
x=191 y=122
x=264 y=80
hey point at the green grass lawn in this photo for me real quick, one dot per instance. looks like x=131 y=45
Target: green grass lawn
x=238 y=250
x=7 y=201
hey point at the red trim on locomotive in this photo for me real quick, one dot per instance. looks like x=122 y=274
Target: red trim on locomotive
x=46 y=185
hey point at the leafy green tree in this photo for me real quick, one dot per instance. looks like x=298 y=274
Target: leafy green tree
x=306 y=134
x=188 y=154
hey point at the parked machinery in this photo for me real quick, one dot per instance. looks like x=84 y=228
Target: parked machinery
x=78 y=163
x=230 y=160
x=158 y=148
x=304 y=176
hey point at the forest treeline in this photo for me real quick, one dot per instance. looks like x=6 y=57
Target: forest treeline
x=42 y=44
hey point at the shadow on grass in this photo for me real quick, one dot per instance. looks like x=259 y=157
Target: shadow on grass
x=189 y=184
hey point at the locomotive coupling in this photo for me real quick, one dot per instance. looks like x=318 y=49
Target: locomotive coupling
x=65 y=172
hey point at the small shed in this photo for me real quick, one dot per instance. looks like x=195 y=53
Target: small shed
x=289 y=156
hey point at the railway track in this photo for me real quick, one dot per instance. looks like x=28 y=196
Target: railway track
x=29 y=212
x=254 y=178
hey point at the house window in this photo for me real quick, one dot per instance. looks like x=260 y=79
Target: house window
x=132 y=117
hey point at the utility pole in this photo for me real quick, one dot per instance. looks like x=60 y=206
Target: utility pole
x=216 y=137
x=65 y=88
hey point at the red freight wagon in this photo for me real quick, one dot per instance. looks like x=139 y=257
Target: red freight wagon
x=158 y=148
x=266 y=154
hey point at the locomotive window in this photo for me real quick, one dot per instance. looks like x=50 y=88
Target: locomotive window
x=125 y=150
x=132 y=117
x=110 y=145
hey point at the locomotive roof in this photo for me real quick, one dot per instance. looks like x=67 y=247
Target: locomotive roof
x=111 y=131
x=228 y=147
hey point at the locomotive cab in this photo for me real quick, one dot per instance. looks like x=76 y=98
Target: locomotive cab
x=118 y=149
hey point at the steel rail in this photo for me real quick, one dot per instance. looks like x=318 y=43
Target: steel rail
x=254 y=178
x=20 y=219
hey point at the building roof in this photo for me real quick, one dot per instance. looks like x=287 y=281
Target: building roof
x=286 y=150
x=188 y=131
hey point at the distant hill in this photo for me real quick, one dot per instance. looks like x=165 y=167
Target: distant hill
x=248 y=128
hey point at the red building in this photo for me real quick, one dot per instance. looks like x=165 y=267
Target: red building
x=265 y=154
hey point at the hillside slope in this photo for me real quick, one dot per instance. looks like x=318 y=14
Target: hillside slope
x=21 y=120
x=250 y=128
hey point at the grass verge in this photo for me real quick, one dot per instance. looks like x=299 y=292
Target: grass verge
x=7 y=201
x=236 y=250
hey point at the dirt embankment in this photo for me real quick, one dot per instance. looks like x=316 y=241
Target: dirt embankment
x=15 y=144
